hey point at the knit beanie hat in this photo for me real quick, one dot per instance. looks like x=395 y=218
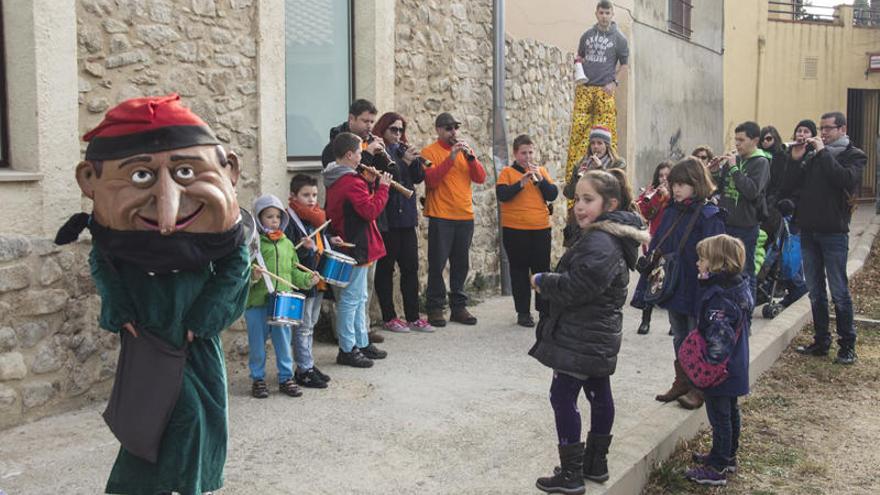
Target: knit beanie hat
x=601 y=132
x=809 y=124
x=147 y=125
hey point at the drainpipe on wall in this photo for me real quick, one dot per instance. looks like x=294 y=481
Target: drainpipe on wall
x=499 y=128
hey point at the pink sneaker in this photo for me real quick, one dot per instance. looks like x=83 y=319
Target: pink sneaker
x=395 y=325
x=420 y=325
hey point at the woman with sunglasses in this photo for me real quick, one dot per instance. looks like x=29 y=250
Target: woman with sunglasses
x=704 y=153
x=401 y=218
x=773 y=146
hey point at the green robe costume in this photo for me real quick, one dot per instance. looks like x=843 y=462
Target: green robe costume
x=193 y=447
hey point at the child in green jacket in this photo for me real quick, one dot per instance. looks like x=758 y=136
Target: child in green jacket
x=279 y=257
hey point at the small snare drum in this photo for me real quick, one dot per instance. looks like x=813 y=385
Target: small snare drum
x=285 y=308
x=336 y=268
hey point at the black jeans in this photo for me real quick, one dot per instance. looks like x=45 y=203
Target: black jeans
x=448 y=240
x=528 y=251
x=402 y=247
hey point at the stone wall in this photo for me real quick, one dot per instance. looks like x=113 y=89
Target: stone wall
x=204 y=50
x=51 y=350
x=444 y=63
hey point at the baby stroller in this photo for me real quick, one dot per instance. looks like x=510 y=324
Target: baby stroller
x=781 y=277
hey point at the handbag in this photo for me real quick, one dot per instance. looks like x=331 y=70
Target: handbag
x=149 y=377
x=664 y=275
x=692 y=357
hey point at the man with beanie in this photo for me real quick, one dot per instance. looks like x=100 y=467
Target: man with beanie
x=744 y=179
x=170 y=262
x=450 y=209
x=824 y=176
x=603 y=52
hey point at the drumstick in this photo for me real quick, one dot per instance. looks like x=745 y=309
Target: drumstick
x=312 y=234
x=276 y=277
x=347 y=244
x=309 y=270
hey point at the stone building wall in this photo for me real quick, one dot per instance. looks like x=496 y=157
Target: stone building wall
x=204 y=50
x=52 y=353
x=444 y=63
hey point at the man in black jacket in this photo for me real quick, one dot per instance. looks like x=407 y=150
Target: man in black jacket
x=824 y=175
x=361 y=118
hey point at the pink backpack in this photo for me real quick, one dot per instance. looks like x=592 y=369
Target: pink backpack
x=692 y=357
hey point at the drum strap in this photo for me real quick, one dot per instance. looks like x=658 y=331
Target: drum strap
x=302 y=228
x=266 y=279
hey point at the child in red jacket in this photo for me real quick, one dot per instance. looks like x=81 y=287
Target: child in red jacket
x=652 y=203
x=353 y=207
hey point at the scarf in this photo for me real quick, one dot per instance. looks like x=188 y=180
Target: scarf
x=838 y=146
x=155 y=253
x=274 y=235
x=314 y=215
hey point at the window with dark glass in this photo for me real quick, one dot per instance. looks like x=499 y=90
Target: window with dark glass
x=680 y=17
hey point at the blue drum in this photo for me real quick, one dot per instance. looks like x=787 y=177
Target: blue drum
x=336 y=268
x=286 y=308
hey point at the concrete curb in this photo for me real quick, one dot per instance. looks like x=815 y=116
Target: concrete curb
x=637 y=450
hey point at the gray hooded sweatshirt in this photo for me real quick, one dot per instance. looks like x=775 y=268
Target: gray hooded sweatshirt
x=270 y=201
x=601 y=51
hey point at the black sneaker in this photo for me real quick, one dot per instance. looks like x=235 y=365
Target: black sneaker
x=525 y=320
x=309 y=379
x=373 y=352
x=846 y=355
x=354 y=359
x=318 y=372
x=814 y=349
x=703 y=458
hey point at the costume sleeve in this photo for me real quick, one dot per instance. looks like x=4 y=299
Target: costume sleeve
x=718 y=325
x=843 y=176
x=117 y=306
x=590 y=272
x=223 y=297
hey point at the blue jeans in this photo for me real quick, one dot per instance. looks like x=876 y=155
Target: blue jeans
x=681 y=325
x=749 y=238
x=303 y=334
x=351 y=311
x=825 y=255
x=724 y=417
x=258 y=332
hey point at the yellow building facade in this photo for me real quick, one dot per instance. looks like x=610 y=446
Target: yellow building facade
x=780 y=68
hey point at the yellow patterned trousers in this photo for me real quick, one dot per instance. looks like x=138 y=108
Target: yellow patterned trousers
x=592 y=106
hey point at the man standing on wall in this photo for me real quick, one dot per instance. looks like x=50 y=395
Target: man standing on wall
x=603 y=53
x=449 y=206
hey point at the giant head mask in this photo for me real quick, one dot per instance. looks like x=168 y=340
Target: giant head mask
x=153 y=165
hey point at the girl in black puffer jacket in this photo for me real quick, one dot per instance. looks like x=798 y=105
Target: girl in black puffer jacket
x=581 y=336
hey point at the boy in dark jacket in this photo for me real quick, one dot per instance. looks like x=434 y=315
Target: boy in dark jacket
x=353 y=209
x=726 y=306
x=581 y=336
x=824 y=184
x=743 y=187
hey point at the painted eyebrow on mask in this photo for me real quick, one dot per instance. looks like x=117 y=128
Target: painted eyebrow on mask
x=136 y=159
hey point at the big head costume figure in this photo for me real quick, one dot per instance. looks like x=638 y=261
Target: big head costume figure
x=171 y=265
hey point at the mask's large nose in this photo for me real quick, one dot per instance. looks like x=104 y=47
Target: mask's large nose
x=167 y=201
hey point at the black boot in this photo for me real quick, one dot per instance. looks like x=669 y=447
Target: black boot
x=596 y=457
x=645 y=326
x=568 y=479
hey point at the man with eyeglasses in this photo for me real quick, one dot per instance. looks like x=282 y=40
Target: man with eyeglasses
x=361 y=118
x=449 y=207
x=825 y=175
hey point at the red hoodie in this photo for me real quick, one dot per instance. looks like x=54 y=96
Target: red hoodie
x=353 y=209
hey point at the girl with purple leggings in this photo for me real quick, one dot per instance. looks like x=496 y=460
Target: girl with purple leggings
x=580 y=336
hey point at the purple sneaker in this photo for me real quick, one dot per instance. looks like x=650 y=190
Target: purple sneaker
x=702 y=459
x=706 y=475
x=420 y=325
x=395 y=325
